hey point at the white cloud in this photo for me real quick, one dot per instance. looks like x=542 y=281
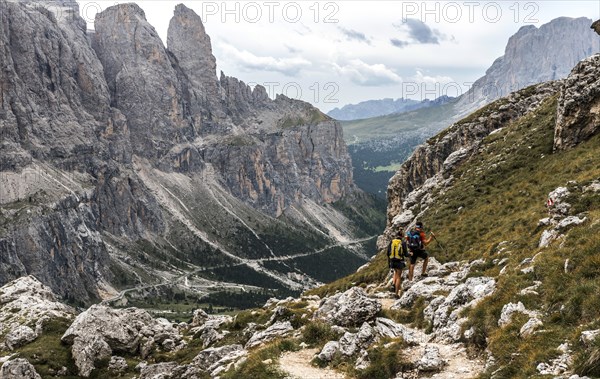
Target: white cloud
x=419 y=77
x=251 y=62
x=368 y=75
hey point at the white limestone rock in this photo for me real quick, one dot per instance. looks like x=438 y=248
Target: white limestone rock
x=87 y=351
x=547 y=237
x=431 y=360
x=569 y=222
x=352 y=343
x=329 y=351
x=403 y=218
x=589 y=336
x=530 y=327
x=18 y=368
x=211 y=359
x=510 y=309
x=26 y=301
x=117 y=364
x=279 y=329
x=19 y=336
x=350 y=308
x=387 y=328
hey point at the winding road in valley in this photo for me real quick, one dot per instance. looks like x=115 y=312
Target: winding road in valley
x=241 y=261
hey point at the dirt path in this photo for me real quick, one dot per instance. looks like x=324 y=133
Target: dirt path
x=297 y=365
x=458 y=363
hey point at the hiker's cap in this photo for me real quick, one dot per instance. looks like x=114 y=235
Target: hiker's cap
x=420 y=225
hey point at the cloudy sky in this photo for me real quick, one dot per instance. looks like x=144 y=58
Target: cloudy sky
x=332 y=53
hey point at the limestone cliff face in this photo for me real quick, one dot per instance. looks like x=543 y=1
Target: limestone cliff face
x=532 y=55
x=110 y=141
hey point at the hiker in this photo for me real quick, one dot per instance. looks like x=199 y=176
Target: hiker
x=396 y=252
x=416 y=241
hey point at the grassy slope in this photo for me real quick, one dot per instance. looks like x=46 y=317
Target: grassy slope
x=501 y=194
x=391 y=125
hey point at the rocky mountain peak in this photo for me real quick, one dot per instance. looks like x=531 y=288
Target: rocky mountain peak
x=142 y=81
x=188 y=42
x=532 y=55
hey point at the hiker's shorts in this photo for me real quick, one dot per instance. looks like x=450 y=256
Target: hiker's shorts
x=397 y=264
x=418 y=254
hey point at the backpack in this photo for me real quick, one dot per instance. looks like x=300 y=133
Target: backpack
x=396 y=250
x=414 y=240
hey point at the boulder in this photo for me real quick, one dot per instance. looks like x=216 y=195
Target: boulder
x=18 y=368
x=19 y=336
x=350 y=308
x=170 y=370
x=26 y=301
x=474 y=289
x=123 y=329
x=87 y=351
x=211 y=359
x=199 y=317
x=530 y=327
x=387 y=328
x=117 y=364
x=569 y=222
x=426 y=289
x=329 y=350
x=279 y=329
x=431 y=360
x=510 y=309
x=352 y=343
x=547 y=237
x=99 y=331
x=444 y=312
x=589 y=336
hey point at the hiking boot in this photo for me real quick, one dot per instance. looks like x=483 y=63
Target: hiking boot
x=396 y=296
x=393 y=288
x=424 y=275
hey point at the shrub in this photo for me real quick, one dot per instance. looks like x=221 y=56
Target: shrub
x=317 y=333
x=385 y=362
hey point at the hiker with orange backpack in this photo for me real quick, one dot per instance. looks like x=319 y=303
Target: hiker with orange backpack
x=416 y=241
x=396 y=251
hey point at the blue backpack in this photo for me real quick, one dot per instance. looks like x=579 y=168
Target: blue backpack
x=415 y=242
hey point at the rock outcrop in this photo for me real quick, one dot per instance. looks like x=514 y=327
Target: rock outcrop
x=26 y=305
x=351 y=308
x=578 y=113
x=99 y=331
x=18 y=369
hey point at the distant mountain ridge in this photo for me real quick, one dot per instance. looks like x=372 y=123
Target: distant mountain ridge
x=383 y=107
x=532 y=55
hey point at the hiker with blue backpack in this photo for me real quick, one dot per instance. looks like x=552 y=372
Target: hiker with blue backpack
x=416 y=241
x=396 y=251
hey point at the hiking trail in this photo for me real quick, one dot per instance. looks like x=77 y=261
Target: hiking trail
x=297 y=365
